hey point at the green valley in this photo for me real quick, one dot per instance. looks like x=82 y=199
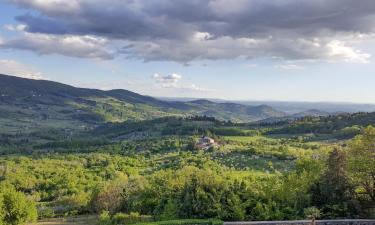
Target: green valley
x=124 y=158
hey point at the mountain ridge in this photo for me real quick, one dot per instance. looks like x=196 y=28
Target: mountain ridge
x=41 y=98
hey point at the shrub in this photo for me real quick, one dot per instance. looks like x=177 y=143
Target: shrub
x=312 y=213
x=16 y=208
x=46 y=212
x=104 y=218
x=133 y=217
x=2 y=211
x=109 y=197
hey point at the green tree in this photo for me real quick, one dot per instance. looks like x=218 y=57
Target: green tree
x=200 y=198
x=109 y=197
x=170 y=210
x=2 y=210
x=17 y=208
x=361 y=161
x=333 y=193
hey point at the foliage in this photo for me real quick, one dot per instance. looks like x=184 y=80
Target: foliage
x=135 y=171
x=333 y=193
x=15 y=207
x=312 y=213
x=131 y=218
x=361 y=161
x=108 y=198
x=342 y=126
x=104 y=218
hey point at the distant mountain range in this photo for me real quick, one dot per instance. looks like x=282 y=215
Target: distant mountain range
x=292 y=117
x=291 y=107
x=26 y=105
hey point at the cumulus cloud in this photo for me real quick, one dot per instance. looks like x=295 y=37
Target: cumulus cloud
x=338 y=49
x=15 y=68
x=184 y=31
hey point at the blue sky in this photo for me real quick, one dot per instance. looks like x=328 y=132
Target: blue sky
x=322 y=60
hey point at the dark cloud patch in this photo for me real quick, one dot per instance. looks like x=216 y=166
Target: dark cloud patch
x=173 y=29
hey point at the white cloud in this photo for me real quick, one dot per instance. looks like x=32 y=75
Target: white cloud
x=167 y=80
x=14 y=68
x=68 y=45
x=338 y=50
x=185 y=31
x=226 y=47
x=18 y=27
x=201 y=36
x=51 y=6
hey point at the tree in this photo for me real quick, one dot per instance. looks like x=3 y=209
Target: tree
x=17 y=209
x=2 y=210
x=170 y=210
x=361 y=165
x=109 y=198
x=333 y=193
x=200 y=197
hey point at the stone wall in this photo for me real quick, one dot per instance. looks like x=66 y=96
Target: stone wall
x=305 y=222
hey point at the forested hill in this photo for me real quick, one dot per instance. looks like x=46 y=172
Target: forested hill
x=341 y=126
x=58 y=105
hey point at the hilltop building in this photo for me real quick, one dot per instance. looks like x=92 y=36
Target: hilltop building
x=205 y=143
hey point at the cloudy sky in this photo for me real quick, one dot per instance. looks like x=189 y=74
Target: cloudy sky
x=300 y=50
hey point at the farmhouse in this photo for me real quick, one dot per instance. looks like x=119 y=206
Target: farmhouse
x=205 y=143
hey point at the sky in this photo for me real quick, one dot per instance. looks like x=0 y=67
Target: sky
x=286 y=50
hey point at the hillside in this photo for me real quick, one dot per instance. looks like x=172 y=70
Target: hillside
x=28 y=105
x=339 y=126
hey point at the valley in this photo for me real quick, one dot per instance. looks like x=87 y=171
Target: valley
x=124 y=158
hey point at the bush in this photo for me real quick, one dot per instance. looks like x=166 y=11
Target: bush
x=16 y=208
x=312 y=213
x=122 y=218
x=104 y=218
x=45 y=212
x=2 y=211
